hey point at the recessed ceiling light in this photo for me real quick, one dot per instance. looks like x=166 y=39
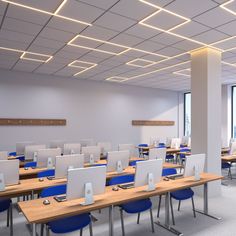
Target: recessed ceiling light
x=139 y=62
x=84 y=65
x=228 y=4
x=184 y=72
x=116 y=79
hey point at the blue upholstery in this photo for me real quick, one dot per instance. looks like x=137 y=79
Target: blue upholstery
x=4 y=204
x=121 y=179
x=225 y=165
x=46 y=173
x=67 y=224
x=161 y=145
x=182 y=194
x=21 y=158
x=133 y=163
x=141 y=152
x=12 y=153
x=30 y=164
x=169 y=157
x=169 y=171
x=100 y=165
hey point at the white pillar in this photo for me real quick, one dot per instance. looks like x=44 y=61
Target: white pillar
x=206 y=110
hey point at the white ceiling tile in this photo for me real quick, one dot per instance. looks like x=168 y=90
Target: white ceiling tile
x=215 y=17
x=228 y=28
x=170 y=51
x=70 y=54
x=132 y=9
x=65 y=25
x=55 y=34
x=16 y=36
x=25 y=65
x=190 y=8
x=3 y=6
x=79 y=11
x=27 y=15
x=114 y=21
x=42 y=50
x=150 y=46
x=210 y=36
x=166 y=39
x=13 y=44
x=100 y=55
x=160 y=3
x=46 y=70
x=104 y=4
x=126 y=40
x=43 y=42
x=21 y=26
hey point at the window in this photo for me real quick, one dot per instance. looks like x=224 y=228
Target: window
x=233 y=120
x=187 y=114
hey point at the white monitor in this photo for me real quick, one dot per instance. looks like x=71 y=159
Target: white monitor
x=3 y=155
x=154 y=141
x=184 y=140
x=232 y=148
x=65 y=162
x=148 y=173
x=10 y=171
x=86 y=182
x=86 y=142
x=157 y=153
x=175 y=143
x=117 y=161
x=72 y=148
x=44 y=155
x=31 y=150
x=57 y=144
x=194 y=162
x=125 y=147
x=105 y=147
x=168 y=142
x=95 y=151
x=20 y=147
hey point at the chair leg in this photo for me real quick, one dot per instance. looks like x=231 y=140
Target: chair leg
x=81 y=232
x=179 y=205
x=47 y=231
x=230 y=173
x=8 y=217
x=172 y=212
x=41 y=229
x=122 y=222
x=91 y=229
x=138 y=219
x=152 y=222
x=194 y=212
x=159 y=206
x=11 y=219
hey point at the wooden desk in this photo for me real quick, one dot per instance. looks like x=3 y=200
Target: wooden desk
x=35 y=212
x=228 y=158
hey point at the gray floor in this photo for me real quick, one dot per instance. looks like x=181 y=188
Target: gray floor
x=224 y=206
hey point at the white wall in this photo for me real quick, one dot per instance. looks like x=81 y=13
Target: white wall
x=102 y=111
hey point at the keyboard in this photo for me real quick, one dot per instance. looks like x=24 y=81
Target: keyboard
x=126 y=186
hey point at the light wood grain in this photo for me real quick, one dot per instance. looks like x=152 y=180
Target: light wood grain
x=36 y=212
x=152 y=123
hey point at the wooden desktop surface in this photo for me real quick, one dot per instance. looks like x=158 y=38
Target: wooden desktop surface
x=36 y=212
x=228 y=158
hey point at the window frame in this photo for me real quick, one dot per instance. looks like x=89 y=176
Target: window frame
x=232 y=110
x=185 y=110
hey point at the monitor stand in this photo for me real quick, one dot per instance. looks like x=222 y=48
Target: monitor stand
x=119 y=168
x=88 y=189
x=151 y=186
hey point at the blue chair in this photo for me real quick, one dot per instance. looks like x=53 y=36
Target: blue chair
x=227 y=165
x=133 y=163
x=141 y=151
x=68 y=224
x=170 y=157
x=161 y=145
x=179 y=195
x=182 y=156
x=21 y=158
x=6 y=205
x=30 y=164
x=46 y=173
x=12 y=154
x=133 y=207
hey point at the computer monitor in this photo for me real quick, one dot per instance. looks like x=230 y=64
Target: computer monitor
x=185 y=140
x=20 y=147
x=46 y=156
x=157 y=153
x=232 y=150
x=168 y=142
x=125 y=147
x=175 y=143
x=117 y=161
x=72 y=148
x=193 y=163
x=57 y=144
x=10 y=171
x=154 y=141
x=93 y=152
x=3 y=155
x=65 y=162
x=31 y=151
x=86 y=142
x=86 y=182
x=105 y=147
x=148 y=173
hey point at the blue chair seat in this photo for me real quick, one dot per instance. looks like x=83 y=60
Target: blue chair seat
x=21 y=158
x=46 y=173
x=12 y=153
x=182 y=194
x=133 y=163
x=169 y=156
x=121 y=179
x=225 y=165
x=30 y=164
x=69 y=224
x=137 y=206
x=4 y=204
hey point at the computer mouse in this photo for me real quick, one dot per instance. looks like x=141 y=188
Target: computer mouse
x=26 y=168
x=46 y=202
x=41 y=179
x=115 y=188
x=166 y=179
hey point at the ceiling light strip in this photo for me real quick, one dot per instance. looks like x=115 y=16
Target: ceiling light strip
x=223 y=6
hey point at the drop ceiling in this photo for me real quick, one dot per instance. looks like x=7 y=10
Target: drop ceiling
x=138 y=42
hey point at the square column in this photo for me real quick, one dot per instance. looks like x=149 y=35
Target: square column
x=206 y=110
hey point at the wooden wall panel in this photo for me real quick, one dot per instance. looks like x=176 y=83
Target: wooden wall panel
x=32 y=122
x=152 y=123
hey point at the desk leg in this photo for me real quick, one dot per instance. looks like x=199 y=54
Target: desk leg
x=166 y=225
x=33 y=229
x=111 y=221
x=205 y=204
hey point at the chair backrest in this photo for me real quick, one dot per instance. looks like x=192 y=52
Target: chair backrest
x=52 y=191
x=121 y=179
x=169 y=171
x=127 y=147
x=46 y=173
x=30 y=164
x=3 y=155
